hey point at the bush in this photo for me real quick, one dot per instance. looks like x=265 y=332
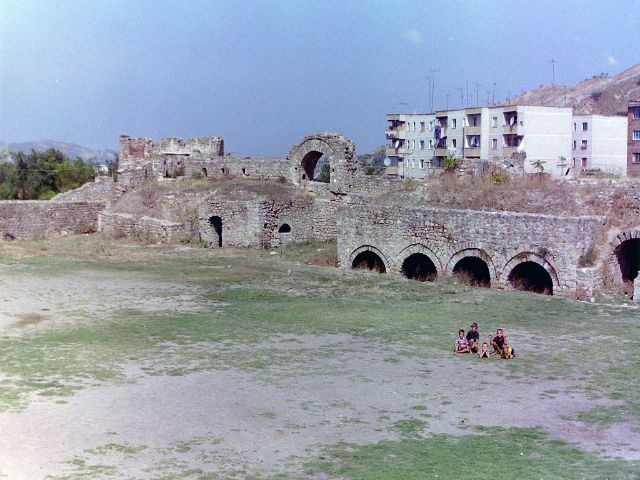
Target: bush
x=410 y=184
x=499 y=178
x=450 y=164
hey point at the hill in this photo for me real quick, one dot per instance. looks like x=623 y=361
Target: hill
x=71 y=150
x=600 y=94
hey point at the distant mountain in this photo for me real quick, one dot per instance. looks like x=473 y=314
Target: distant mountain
x=600 y=94
x=71 y=150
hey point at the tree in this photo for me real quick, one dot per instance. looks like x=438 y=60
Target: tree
x=538 y=165
x=325 y=173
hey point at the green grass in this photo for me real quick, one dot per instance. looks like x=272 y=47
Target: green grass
x=499 y=454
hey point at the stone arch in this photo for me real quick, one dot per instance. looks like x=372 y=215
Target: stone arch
x=528 y=257
x=366 y=251
x=284 y=228
x=423 y=249
x=340 y=154
x=478 y=253
x=626 y=254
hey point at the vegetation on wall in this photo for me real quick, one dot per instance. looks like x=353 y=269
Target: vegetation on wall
x=42 y=175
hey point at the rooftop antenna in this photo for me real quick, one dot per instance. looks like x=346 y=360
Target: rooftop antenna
x=461 y=97
x=467 y=94
x=553 y=69
x=447 y=102
x=493 y=99
x=477 y=95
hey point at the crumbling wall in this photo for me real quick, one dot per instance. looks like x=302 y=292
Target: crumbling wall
x=505 y=239
x=26 y=219
x=149 y=229
x=102 y=189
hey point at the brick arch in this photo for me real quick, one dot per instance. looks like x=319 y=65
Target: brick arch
x=474 y=252
x=340 y=153
x=369 y=248
x=528 y=257
x=419 y=248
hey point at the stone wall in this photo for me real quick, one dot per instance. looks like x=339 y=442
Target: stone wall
x=148 y=229
x=25 y=219
x=266 y=222
x=502 y=239
x=102 y=189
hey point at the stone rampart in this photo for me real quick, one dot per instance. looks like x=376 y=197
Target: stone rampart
x=102 y=189
x=149 y=229
x=502 y=240
x=25 y=219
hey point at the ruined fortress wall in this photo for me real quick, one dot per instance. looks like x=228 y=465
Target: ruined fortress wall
x=226 y=167
x=101 y=189
x=257 y=223
x=503 y=239
x=25 y=219
x=153 y=230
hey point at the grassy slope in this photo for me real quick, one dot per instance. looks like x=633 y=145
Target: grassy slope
x=257 y=298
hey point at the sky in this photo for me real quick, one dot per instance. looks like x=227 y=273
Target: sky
x=263 y=74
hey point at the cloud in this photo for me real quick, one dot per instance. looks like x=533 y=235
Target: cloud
x=412 y=36
x=612 y=60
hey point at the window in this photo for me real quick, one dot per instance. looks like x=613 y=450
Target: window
x=413 y=163
x=422 y=163
x=574 y=126
x=583 y=163
x=585 y=126
x=413 y=144
x=431 y=125
x=454 y=122
x=430 y=144
x=636 y=134
x=574 y=145
x=421 y=144
x=494 y=144
x=583 y=145
x=475 y=121
x=422 y=126
x=494 y=122
x=574 y=161
x=635 y=158
x=454 y=143
x=636 y=113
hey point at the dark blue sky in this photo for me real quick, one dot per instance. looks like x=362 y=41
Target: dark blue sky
x=264 y=74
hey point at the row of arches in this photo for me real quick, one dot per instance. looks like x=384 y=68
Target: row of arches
x=471 y=266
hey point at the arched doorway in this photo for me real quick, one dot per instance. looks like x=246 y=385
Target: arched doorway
x=284 y=228
x=368 y=260
x=628 y=256
x=310 y=163
x=474 y=271
x=216 y=223
x=418 y=266
x=204 y=172
x=531 y=277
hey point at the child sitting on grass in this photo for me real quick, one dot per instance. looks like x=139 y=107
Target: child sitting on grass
x=484 y=352
x=461 y=345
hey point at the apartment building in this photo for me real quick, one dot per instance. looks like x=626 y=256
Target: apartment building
x=633 y=138
x=599 y=143
x=482 y=133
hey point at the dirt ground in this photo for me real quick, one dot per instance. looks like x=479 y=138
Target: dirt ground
x=235 y=422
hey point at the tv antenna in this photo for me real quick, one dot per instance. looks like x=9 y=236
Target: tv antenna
x=553 y=70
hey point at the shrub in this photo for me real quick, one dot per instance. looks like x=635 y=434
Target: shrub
x=499 y=178
x=411 y=184
x=450 y=164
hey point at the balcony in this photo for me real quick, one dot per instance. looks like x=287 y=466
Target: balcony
x=472 y=152
x=472 y=130
x=442 y=152
x=515 y=129
x=392 y=133
x=395 y=152
x=508 y=151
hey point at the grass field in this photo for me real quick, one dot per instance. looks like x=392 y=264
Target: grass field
x=134 y=361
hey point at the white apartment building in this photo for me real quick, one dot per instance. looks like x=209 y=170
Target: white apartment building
x=599 y=143
x=484 y=133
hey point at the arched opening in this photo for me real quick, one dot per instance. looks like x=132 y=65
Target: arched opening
x=284 y=228
x=531 y=277
x=474 y=271
x=628 y=256
x=418 y=266
x=310 y=163
x=204 y=173
x=216 y=223
x=370 y=261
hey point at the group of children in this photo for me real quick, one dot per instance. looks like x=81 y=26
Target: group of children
x=471 y=344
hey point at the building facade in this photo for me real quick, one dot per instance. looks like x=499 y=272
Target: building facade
x=599 y=144
x=633 y=138
x=422 y=142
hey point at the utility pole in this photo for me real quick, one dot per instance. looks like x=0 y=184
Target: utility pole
x=553 y=69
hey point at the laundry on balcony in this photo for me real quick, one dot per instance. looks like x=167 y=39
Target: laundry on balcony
x=442 y=143
x=436 y=133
